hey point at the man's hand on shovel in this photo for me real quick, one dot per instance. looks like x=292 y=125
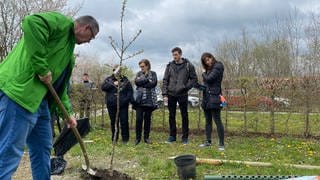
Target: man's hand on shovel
x=72 y=122
x=46 y=78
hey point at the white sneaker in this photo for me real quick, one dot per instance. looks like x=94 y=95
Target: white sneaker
x=205 y=144
x=221 y=148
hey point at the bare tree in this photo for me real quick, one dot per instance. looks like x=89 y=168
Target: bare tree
x=121 y=54
x=12 y=13
x=310 y=68
x=237 y=55
x=294 y=31
x=312 y=57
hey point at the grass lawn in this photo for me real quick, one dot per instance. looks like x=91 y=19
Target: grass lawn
x=151 y=161
x=257 y=122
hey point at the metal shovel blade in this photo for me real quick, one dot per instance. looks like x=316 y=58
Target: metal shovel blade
x=90 y=171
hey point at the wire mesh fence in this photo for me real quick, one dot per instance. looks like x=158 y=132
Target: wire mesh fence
x=290 y=110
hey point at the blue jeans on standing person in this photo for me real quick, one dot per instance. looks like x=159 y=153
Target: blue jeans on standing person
x=19 y=127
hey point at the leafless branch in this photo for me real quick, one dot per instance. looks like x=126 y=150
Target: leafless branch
x=133 y=55
x=133 y=39
x=115 y=46
x=121 y=25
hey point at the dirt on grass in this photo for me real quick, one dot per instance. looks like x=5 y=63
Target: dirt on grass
x=106 y=174
x=73 y=170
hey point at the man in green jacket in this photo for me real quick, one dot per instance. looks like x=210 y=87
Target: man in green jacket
x=44 y=54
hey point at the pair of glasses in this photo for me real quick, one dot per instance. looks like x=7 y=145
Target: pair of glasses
x=142 y=66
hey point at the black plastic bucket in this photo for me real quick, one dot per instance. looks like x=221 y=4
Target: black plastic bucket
x=186 y=166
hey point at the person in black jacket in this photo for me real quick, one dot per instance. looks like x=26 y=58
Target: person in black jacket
x=110 y=86
x=179 y=77
x=146 y=100
x=212 y=78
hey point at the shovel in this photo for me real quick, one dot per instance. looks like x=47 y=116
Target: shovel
x=74 y=130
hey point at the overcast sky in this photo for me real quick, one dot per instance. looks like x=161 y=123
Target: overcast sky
x=195 y=26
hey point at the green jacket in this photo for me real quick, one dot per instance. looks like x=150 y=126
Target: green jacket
x=47 y=45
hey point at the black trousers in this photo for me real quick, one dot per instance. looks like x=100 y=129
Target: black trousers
x=216 y=115
x=123 y=122
x=143 y=117
x=172 y=106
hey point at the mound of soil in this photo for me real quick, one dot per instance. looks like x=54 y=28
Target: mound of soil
x=106 y=174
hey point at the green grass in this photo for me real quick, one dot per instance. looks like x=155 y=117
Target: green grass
x=151 y=161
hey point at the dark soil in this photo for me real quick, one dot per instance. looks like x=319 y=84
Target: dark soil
x=105 y=174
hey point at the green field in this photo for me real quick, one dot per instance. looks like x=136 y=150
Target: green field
x=151 y=161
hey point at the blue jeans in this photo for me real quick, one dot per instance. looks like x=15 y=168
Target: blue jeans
x=19 y=127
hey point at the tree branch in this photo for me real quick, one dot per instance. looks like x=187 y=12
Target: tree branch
x=115 y=46
x=133 y=39
x=133 y=55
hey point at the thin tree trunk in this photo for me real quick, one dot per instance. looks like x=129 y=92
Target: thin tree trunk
x=256 y=125
x=287 y=122
x=272 y=125
x=245 y=115
x=163 y=116
x=199 y=112
x=95 y=113
x=102 y=114
x=307 y=124
x=226 y=120
x=307 y=117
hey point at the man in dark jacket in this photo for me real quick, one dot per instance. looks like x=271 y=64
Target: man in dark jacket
x=110 y=86
x=180 y=76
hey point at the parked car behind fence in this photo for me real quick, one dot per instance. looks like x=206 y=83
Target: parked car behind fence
x=192 y=100
x=235 y=99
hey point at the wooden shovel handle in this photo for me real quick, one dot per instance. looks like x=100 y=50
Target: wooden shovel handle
x=67 y=120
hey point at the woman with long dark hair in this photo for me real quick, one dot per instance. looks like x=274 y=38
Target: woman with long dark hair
x=146 y=99
x=212 y=78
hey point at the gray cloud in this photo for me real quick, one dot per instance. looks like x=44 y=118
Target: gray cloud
x=196 y=26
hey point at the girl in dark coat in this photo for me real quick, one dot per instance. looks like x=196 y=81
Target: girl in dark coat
x=110 y=86
x=146 y=99
x=212 y=78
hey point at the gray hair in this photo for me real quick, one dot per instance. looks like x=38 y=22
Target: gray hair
x=89 y=20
